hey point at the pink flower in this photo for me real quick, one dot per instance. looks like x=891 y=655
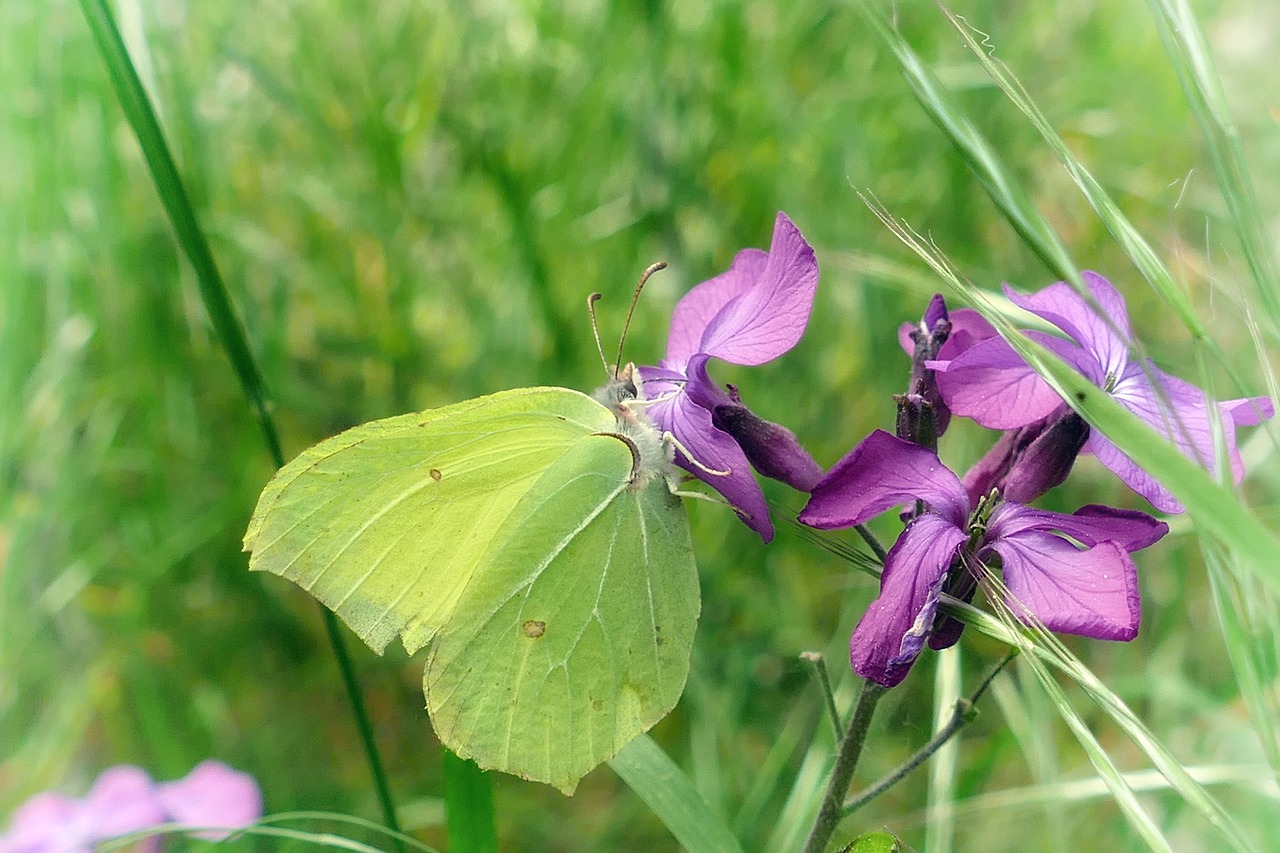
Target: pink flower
x=124 y=799
x=751 y=314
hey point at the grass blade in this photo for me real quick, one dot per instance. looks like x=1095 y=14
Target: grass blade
x=468 y=802
x=1189 y=54
x=670 y=794
x=213 y=293
x=978 y=154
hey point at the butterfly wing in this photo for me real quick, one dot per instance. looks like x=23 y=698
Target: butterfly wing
x=575 y=634
x=485 y=528
x=386 y=522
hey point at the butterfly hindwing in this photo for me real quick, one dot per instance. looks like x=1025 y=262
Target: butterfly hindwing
x=584 y=615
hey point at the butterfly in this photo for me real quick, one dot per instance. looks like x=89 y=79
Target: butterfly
x=532 y=541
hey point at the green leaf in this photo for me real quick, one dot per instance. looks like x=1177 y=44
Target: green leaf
x=874 y=842
x=534 y=546
x=669 y=793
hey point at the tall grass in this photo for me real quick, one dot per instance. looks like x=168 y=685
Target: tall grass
x=409 y=204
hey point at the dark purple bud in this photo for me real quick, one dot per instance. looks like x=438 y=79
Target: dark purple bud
x=1029 y=461
x=916 y=421
x=927 y=339
x=773 y=450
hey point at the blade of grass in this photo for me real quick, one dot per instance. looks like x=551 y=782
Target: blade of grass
x=1189 y=54
x=670 y=794
x=468 y=802
x=1140 y=252
x=1137 y=248
x=213 y=293
x=942 y=765
x=1234 y=603
x=977 y=152
x=1055 y=653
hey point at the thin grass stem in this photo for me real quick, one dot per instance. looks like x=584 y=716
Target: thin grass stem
x=141 y=115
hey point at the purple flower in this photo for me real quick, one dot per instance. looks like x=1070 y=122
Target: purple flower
x=124 y=799
x=991 y=383
x=1090 y=591
x=750 y=314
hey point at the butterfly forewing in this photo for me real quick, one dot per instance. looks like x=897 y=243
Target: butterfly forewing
x=384 y=523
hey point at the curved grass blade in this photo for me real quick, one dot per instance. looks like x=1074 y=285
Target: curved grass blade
x=670 y=794
x=1189 y=55
x=978 y=154
x=213 y=293
x=1137 y=248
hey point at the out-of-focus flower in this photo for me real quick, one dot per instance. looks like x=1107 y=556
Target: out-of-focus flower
x=751 y=314
x=124 y=799
x=990 y=383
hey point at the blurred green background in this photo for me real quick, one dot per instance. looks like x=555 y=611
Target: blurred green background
x=410 y=202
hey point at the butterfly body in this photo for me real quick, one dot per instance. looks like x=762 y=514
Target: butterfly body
x=530 y=540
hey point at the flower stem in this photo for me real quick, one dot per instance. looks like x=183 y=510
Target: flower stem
x=819 y=667
x=842 y=773
x=872 y=542
x=965 y=711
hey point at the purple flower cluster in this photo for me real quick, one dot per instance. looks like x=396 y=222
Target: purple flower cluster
x=125 y=799
x=1072 y=573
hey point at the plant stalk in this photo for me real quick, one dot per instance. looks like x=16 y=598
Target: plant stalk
x=847 y=756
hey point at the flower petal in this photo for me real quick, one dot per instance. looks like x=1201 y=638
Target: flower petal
x=894 y=629
x=765 y=321
x=1130 y=474
x=968 y=328
x=882 y=472
x=213 y=795
x=1090 y=524
x=49 y=822
x=1092 y=593
x=701 y=304
x=1249 y=411
x=990 y=382
x=1104 y=335
x=716 y=450
x=123 y=800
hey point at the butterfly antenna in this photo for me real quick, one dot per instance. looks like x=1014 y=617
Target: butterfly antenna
x=595 y=330
x=635 y=298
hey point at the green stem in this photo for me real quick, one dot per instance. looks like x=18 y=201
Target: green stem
x=819 y=667
x=842 y=773
x=872 y=542
x=965 y=711
x=213 y=293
